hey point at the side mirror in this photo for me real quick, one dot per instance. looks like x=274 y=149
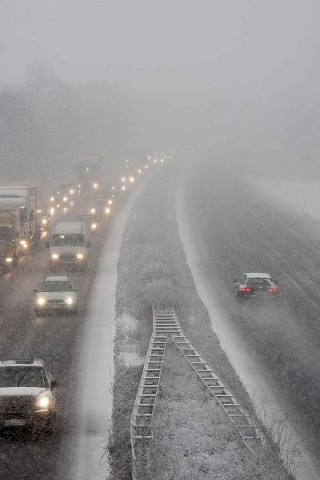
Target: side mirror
x=35 y=290
x=53 y=384
x=47 y=244
x=76 y=289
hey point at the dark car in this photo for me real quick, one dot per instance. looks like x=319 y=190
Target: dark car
x=254 y=285
x=27 y=394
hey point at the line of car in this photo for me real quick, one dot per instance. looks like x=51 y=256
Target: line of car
x=27 y=389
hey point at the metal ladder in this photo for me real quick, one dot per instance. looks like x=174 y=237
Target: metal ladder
x=143 y=410
x=167 y=323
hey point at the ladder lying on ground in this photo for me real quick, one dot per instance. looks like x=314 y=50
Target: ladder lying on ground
x=166 y=324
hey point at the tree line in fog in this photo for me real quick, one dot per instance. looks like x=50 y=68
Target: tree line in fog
x=46 y=124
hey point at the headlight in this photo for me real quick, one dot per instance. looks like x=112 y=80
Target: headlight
x=41 y=300
x=93 y=226
x=44 y=221
x=69 y=300
x=80 y=256
x=24 y=244
x=44 y=402
x=54 y=256
x=9 y=259
x=107 y=210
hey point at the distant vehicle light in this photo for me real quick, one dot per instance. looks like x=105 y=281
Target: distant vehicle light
x=131 y=179
x=93 y=210
x=139 y=171
x=44 y=221
x=123 y=179
x=79 y=256
x=123 y=188
x=93 y=226
x=9 y=259
x=23 y=242
x=71 y=191
x=41 y=301
x=51 y=210
x=65 y=199
x=69 y=300
x=107 y=210
x=54 y=256
x=109 y=202
x=52 y=199
x=95 y=185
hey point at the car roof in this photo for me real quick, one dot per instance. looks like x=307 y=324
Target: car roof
x=33 y=362
x=57 y=278
x=257 y=275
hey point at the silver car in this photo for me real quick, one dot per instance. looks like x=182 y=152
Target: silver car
x=56 y=294
x=27 y=394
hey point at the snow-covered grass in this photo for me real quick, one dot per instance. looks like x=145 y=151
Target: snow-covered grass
x=193 y=439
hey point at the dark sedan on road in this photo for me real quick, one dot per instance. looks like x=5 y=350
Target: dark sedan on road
x=255 y=285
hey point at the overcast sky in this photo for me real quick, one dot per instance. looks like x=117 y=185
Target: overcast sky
x=238 y=50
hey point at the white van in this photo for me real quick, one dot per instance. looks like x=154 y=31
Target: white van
x=69 y=244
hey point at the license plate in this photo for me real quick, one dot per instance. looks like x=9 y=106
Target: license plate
x=14 y=422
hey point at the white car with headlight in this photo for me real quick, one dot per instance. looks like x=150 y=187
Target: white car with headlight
x=27 y=394
x=56 y=294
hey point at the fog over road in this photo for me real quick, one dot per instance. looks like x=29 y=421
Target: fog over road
x=236 y=232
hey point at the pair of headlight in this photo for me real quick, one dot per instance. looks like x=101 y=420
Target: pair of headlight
x=55 y=256
x=42 y=301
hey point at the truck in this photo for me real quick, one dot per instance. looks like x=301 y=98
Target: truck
x=19 y=229
x=69 y=245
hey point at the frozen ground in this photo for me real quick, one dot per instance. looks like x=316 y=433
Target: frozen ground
x=299 y=196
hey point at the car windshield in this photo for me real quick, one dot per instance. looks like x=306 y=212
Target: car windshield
x=71 y=240
x=15 y=376
x=258 y=282
x=56 y=286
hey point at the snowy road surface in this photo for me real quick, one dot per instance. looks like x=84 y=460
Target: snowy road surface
x=245 y=361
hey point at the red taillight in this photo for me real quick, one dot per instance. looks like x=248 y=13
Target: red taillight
x=246 y=290
x=272 y=290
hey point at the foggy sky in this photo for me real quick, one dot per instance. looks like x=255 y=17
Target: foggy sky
x=172 y=55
